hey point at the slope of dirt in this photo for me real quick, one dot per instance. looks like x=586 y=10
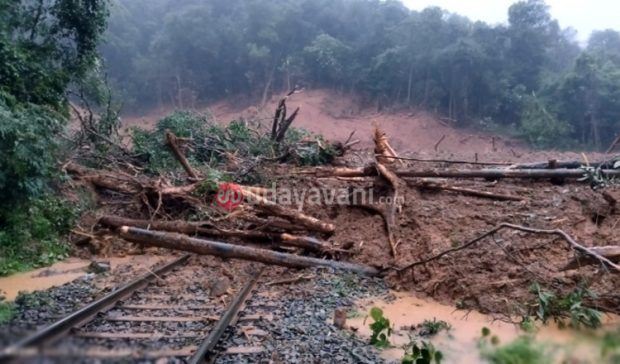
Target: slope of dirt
x=335 y=116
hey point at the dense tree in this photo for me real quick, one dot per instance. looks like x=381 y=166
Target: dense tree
x=46 y=47
x=531 y=68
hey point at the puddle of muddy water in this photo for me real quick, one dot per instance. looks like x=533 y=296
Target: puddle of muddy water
x=460 y=343
x=67 y=271
x=44 y=278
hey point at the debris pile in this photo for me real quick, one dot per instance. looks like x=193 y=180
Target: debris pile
x=186 y=188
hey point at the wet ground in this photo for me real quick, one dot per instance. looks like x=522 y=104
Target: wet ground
x=460 y=343
x=293 y=322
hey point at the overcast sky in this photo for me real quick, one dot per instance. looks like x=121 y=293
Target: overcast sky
x=583 y=15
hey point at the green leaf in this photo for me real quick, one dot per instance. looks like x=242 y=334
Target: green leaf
x=376 y=313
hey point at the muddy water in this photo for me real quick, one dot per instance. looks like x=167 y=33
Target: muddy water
x=66 y=271
x=460 y=344
x=44 y=278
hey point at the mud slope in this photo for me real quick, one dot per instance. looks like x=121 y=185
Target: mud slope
x=335 y=116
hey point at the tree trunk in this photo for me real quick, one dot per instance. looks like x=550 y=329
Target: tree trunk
x=595 y=131
x=269 y=80
x=208 y=247
x=445 y=173
x=410 y=84
x=184 y=227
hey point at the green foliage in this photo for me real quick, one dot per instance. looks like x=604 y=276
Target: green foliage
x=569 y=307
x=307 y=149
x=424 y=354
x=211 y=144
x=539 y=127
x=45 y=46
x=610 y=347
x=381 y=329
x=469 y=71
x=523 y=350
x=7 y=311
x=34 y=300
x=27 y=152
x=432 y=328
x=32 y=233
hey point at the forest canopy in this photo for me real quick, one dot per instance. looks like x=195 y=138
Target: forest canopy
x=529 y=76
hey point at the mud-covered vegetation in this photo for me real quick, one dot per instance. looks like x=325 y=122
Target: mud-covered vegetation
x=529 y=77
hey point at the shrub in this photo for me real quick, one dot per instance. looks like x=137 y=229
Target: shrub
x=523 y=350
x=32 y=233
x=432 y=328
x=540 y=127
x=424 y=354
x=381 y=329
x=569 y=307
x=28 y=152
x=7 y=311
x=211 y=144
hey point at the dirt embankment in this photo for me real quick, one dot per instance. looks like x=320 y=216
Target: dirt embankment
x=335 y=116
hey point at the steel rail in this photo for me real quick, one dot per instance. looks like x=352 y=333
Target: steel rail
x=201 y=355
x=60 y=328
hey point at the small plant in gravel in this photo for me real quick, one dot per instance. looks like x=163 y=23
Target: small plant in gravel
x=560 y=308
x=433 y=327
x=523 y=350
x=381 y=329
x=7 y=311
x=34 y=300
x=425 y=353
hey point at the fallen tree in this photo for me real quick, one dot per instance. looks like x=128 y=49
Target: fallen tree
x=208 y=247
x=437 y=186
x=327 y=172
x=184 y=227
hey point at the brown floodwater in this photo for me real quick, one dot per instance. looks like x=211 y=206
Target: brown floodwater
x=461 y=343
x=67 y=271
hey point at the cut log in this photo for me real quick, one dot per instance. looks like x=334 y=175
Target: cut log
x=608 y=164
x=183 y=227
x=209 y=247
x=444 y=173
x=431 y=185
x=295 y=216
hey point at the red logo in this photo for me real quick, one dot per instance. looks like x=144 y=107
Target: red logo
x=229 y=196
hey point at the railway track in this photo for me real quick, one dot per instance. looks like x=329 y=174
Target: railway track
x=175 y=313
